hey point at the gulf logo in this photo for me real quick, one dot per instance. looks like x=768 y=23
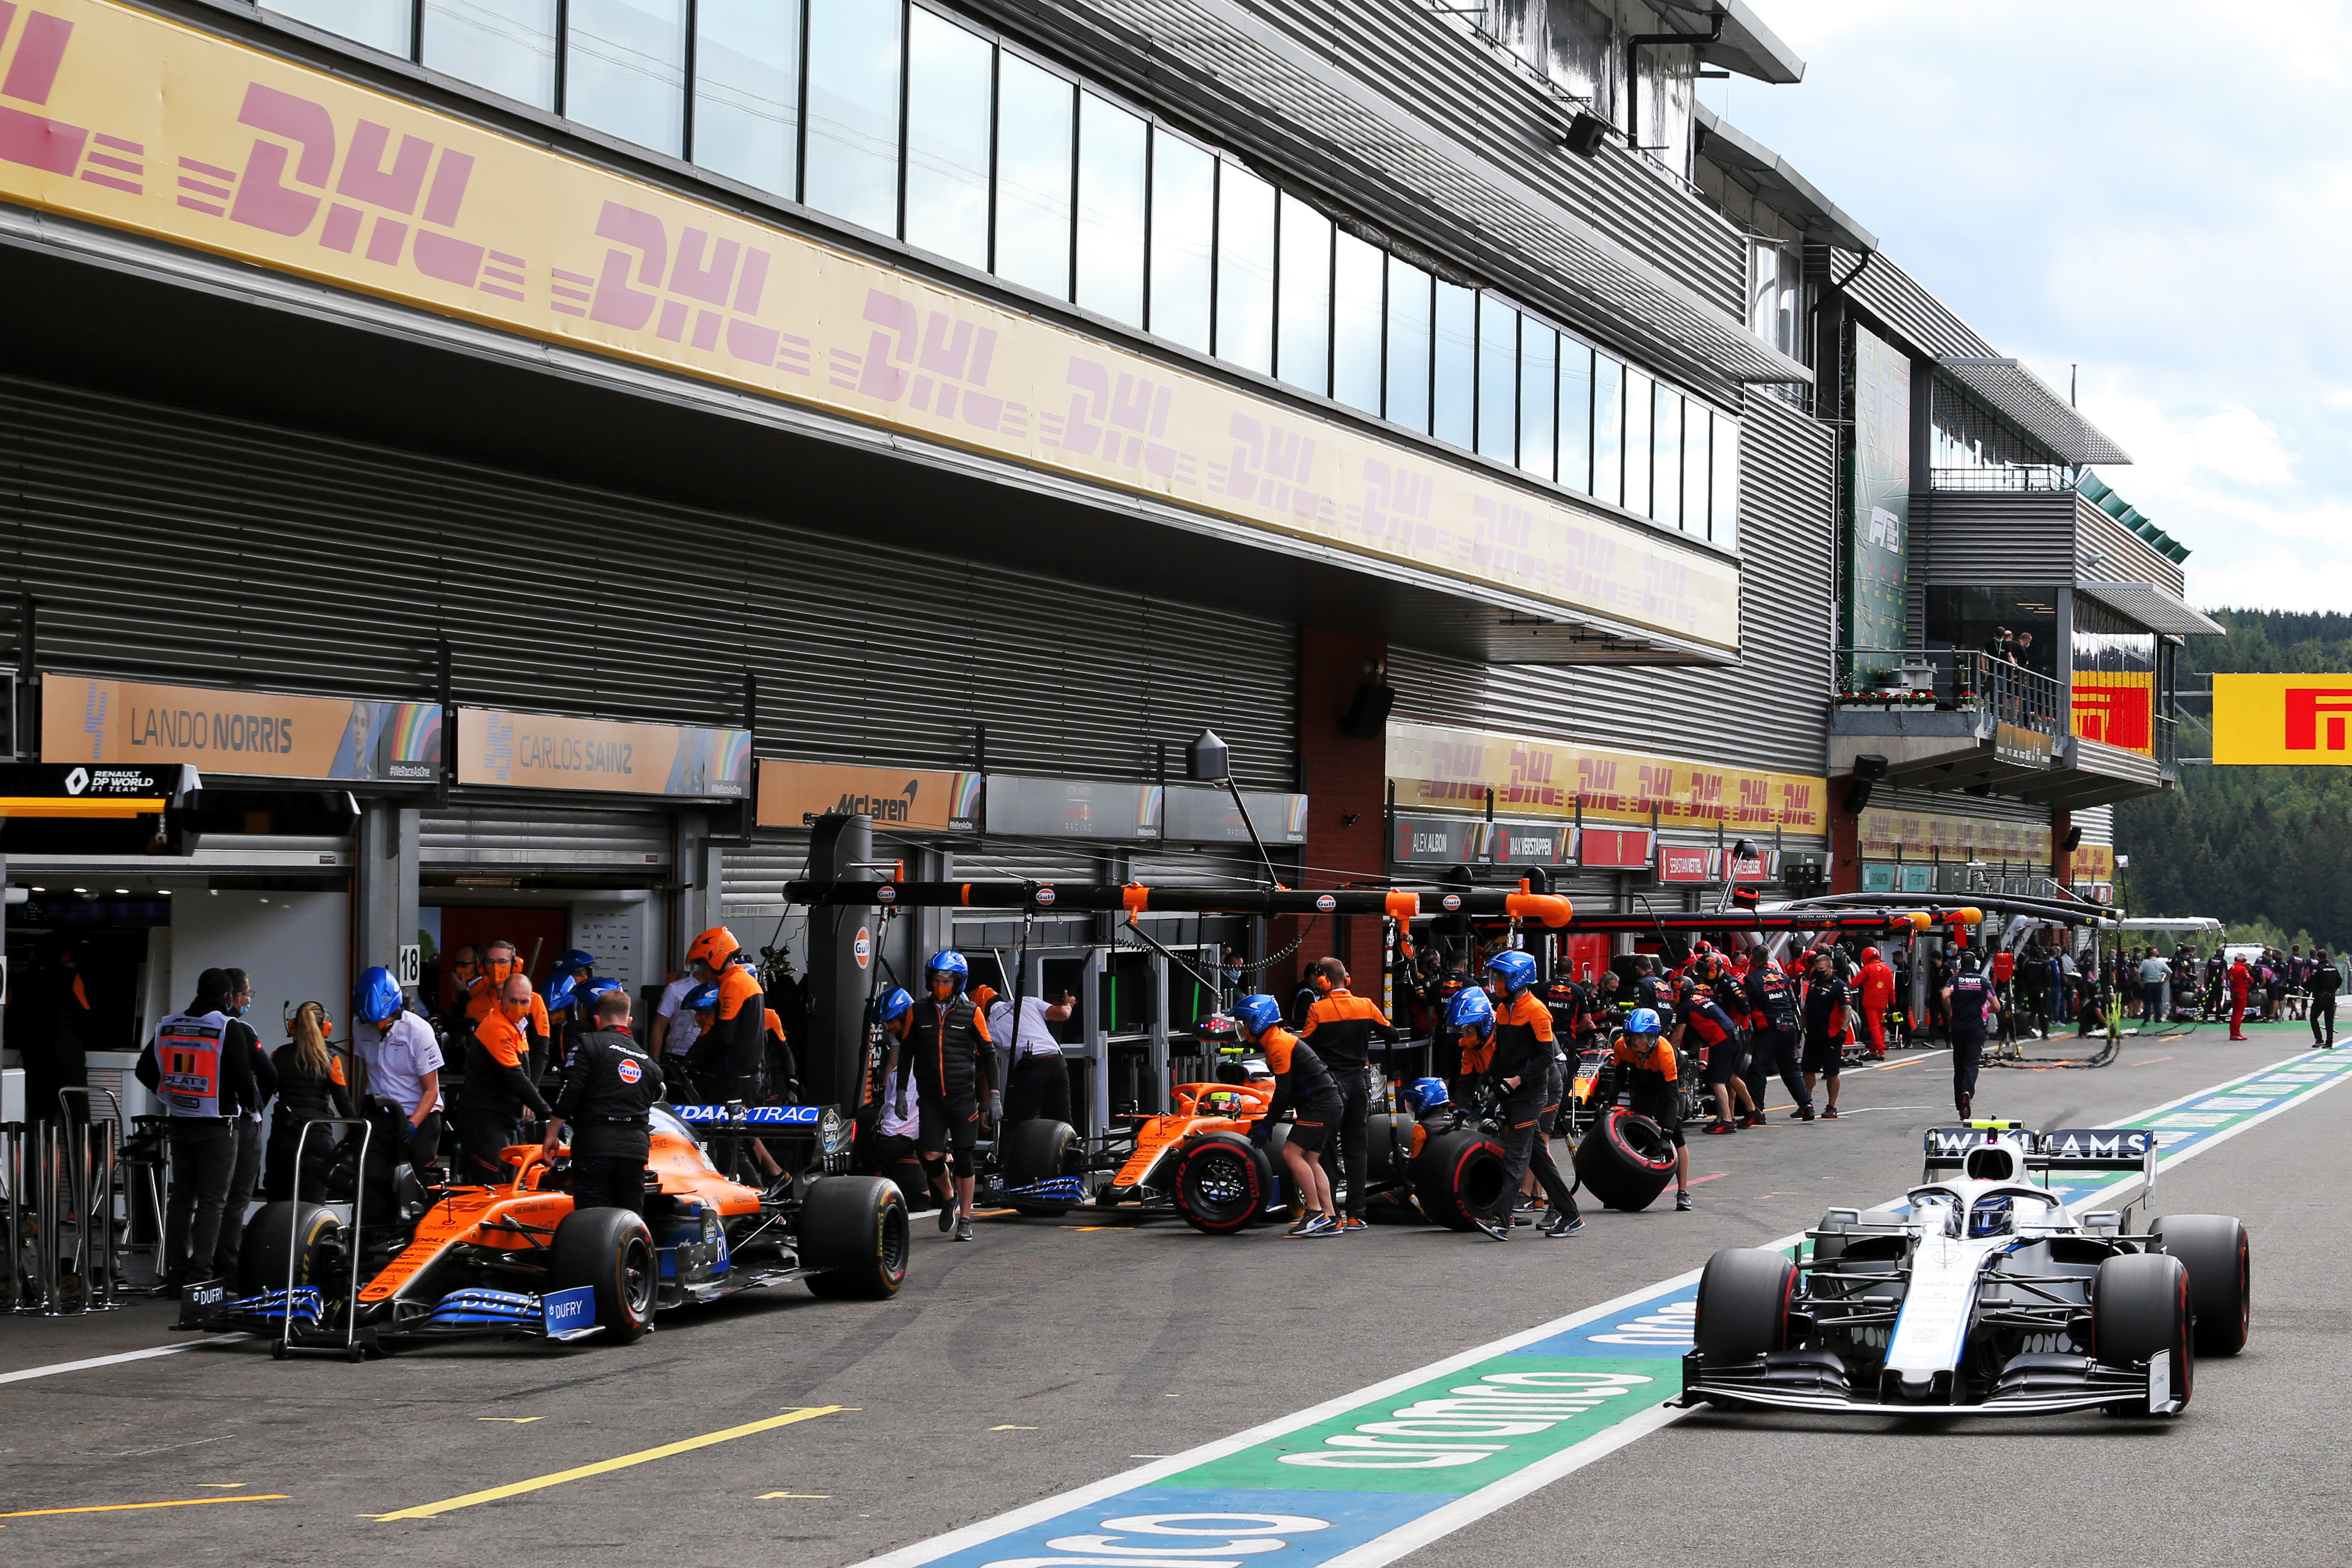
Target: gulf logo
x=630 y=1072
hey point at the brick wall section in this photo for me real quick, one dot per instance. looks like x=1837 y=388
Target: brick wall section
x=1344 y=777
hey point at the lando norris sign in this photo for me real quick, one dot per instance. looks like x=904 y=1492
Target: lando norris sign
x=267 y=735
x=549 y=751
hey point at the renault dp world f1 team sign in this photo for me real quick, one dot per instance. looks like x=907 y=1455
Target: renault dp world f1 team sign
x=2273 y=719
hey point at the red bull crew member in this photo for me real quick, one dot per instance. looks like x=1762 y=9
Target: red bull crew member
x=1519 y=1038
x=1772 y=1047
x=1701 y=1023
x=1303 y=1089
x=1825 y=1034
x=1342 y=1027
x=1654 y=1076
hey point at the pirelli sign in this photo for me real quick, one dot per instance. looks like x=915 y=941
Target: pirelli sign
x=2270 y=720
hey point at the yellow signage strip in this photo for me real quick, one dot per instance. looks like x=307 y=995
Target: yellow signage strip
x=81 y=806
x=2290 y=720
x=1436 y=769
x=155 y=127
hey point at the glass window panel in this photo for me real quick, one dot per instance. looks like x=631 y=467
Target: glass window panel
x=1575 y=415
x=1498 y=380
x=1538 y=384
x=747 y=91
x=948 y=81
x=379 y=24
x=1303 y=341
x=1111 y=144
x=1695 y=467
x=1033 y=171
x=506 y=45
x=1723 y=501
x=1408 y=345
x=1183 y=229
x=624 y=70
x=1608 y=430
x=853 y=112
x=1454 y=396
x=1640 y=396
x=1357 y=272
x=1666 y=454
x=1245 y=268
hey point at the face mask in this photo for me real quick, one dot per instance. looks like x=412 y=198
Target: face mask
x=943 y=990
x=518 y=1011
x=502 y=972
x=238 y=1011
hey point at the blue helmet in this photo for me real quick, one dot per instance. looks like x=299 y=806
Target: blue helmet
x=1517 y=969
x=376 y=998
x=705 y=1000
x=895 y=1003
x=572 y=958
x=948 y=960
x=1644 y=1021
x=1257 y=1013
x=1471 y=1010
x=1426 y=1094
x=560 y=995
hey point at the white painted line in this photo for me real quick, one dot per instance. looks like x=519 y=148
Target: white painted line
x=52 y=1370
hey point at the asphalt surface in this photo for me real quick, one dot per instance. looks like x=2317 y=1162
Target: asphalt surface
x=1047 y=1355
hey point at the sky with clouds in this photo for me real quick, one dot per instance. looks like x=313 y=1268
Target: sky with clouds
x=2161 y=192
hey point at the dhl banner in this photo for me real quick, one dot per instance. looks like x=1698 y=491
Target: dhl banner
x=2092 y=863
x=85 y=720
x=122 y=118
x=794 y=794
x=2118 y=707
x=545 y=751
x=2268 y=719
x=1451 y=770
x=1888 y=834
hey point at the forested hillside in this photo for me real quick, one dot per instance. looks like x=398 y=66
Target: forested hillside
x=2268 y=846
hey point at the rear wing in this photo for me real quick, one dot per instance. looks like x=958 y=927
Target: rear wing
x=2059 y=1149
x=731 y=1116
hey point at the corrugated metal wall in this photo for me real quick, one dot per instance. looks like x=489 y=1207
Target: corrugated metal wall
x=2024 y=538
x=170 y=546
x=1952 y=803
x=2128 y=558
x=2097 y=823
x=1925 y=323
x=1770 y=711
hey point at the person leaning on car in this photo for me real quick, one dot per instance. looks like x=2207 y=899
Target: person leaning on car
x=610 y=1085
x=500 y=1091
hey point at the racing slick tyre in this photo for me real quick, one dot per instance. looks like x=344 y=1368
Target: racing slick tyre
x=854 y=1233
x=2140 y=1307
x=314 y=1237
x=1222 y=1182
x=1626 y=1161
x=1038 y=1150
x=612 y=1253
x=1387 y=1145
x=2212 y=1247
x=1743 y=1305
x=1459 y=1176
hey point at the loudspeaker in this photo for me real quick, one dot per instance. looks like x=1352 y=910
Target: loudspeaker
x=1868 y=770
x=2074 y=839
x=1367 y=717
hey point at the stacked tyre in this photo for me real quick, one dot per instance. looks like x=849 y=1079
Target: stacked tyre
x=1459 y=1176
x=1625 y=1160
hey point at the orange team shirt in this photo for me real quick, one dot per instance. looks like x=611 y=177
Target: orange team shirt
x=481 y=1001
x=775 y=1024
x=503 y=1038
x=1658 y=1059
x=737 y=986
x=1877 y=983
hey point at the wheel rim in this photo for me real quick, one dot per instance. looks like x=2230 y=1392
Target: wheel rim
x=894 y=1240
x=637 y=1277
x=1218 y=1180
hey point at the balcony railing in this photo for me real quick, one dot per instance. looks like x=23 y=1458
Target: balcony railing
x=2167 y=736
x=2010 y=476
x=1949 y=680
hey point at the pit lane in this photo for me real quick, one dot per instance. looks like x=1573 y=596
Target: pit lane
x=1049 y=1355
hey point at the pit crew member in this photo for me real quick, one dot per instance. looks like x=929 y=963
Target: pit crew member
x=1654 y=1076
x=501 y=1092
x=1303 y=1089
x=1877 y=996
x=1702 y=1022
x=1825 y=1031
x=1342 y=1027
x=954 y=1064
x=1519 y=1042
x=1969 y=1003
x=610 y=1085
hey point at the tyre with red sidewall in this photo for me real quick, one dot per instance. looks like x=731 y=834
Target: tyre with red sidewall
x=1219 y=1182
x=2140 y=1307
x=1625 y=1160
x=2212 y=1247
x=1459 y=1176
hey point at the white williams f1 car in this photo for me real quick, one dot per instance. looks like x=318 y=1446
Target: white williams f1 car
x=1983 y=1296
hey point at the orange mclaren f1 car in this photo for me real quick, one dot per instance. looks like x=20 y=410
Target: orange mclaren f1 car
x=521 y=1260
